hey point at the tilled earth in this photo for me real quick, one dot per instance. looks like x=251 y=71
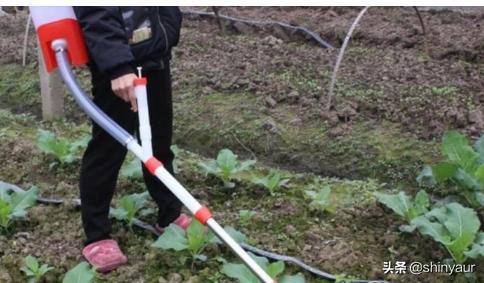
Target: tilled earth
x=391 y=71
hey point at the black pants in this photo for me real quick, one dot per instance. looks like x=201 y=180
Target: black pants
x=104 y=155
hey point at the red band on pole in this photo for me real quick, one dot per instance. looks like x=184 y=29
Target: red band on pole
x=152 y=164
x=140 y=81
x=203 y=215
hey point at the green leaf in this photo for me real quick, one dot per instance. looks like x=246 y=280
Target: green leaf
x=31 y=263
x=81 y=273
x=477 y=249
x=275 y=269
x=5 y=192
x=420 y=204
x=118 y=213
x=298 y=278
x=235 y=234
x=239 y=272
x=173 y=238
x=321 y=200
x=210 y=167
x=81 y=143
x=435 y=230
x=479 y=174
x=452 y=225
x=129 y=206
x=244 y=275
x=20 y=201
x=399 y=203
x=196 y=236
x=225 y=166
x=226 y=162
x=28 y=272
x=466 y=180
x=246 y=165
x=426 y=177
x=5 y=210
x=463 y=225
x=404 y=206
x=271 y=182
x=44 y=269
x=457 y=149
x=479 y=198
x=32 y=268
x=132 y=170
x=444 y=171
x=479 y=146
x=61 y=148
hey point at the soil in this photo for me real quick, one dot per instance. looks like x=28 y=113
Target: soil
x=427 y=83
x=262 y=94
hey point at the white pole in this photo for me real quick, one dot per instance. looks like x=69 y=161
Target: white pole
x=143 y=114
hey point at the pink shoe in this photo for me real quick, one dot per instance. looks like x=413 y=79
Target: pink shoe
x=104 y=255
x=183 y=221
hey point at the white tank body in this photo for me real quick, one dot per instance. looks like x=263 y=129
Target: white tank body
x=44 y=15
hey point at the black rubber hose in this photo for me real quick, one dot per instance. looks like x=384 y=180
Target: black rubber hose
x=420 y=19
x=248 y=248
x=311 y=34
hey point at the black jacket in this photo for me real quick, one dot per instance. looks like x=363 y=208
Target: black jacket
x=121 y=38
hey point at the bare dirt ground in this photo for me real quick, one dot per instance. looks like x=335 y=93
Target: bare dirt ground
x=425 y=82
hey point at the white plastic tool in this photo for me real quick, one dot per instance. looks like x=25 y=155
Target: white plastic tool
x=143 y=113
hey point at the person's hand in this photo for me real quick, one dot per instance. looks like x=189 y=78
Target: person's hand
x=123 y=87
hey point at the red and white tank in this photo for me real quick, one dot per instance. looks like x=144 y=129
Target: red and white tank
x=59 y=22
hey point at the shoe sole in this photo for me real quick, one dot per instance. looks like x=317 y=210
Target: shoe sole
x=109 y=267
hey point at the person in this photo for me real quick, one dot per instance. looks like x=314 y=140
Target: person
x=119 y=39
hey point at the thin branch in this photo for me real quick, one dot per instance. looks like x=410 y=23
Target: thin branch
x=340 y=57
x=26 y=40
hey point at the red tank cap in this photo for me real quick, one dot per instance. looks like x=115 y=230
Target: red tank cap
x=140 y=81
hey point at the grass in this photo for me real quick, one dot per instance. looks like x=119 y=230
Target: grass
x=369 y=149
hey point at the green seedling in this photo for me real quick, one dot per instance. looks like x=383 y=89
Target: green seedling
x=477 y=249
x=243 y=274
x=62 y=149
x=81 y=273
x=131 y=205
x=463 y=167
x=245 y=216
x=454 y=226
x=405 y=206
x=444 y=91
x=33 y=270
x=226 y=166
x=271 y=182
x=132 y=169
x=321 y=200
x=14 y=205
x=195 y=239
